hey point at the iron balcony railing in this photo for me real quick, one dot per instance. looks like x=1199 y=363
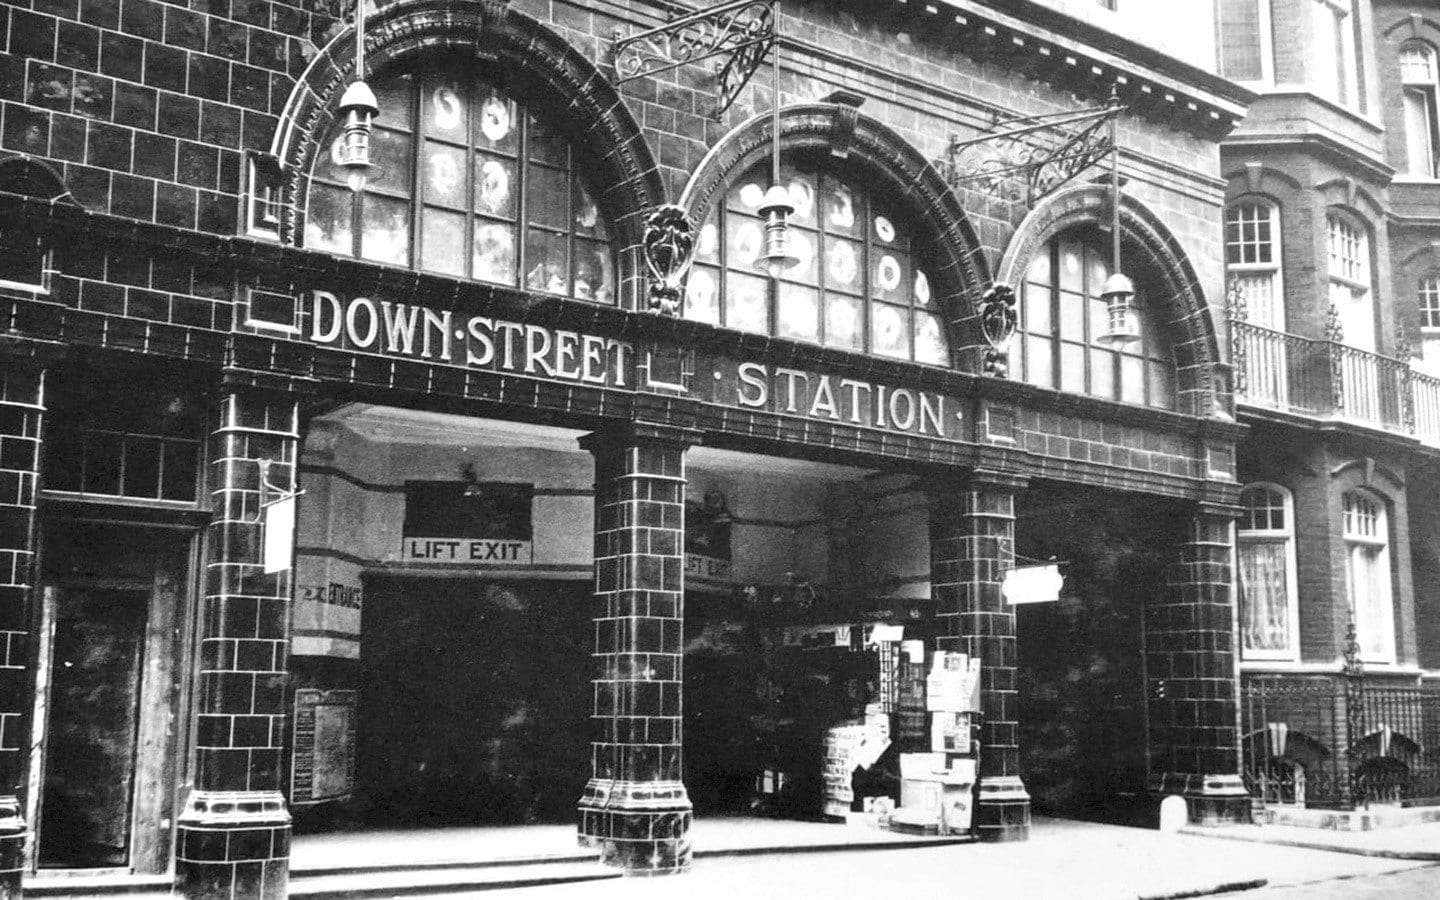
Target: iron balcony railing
x=1329 y=379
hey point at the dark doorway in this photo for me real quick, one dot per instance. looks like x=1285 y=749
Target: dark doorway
x=475 y=700
x=1080 y=670
x=95 y=695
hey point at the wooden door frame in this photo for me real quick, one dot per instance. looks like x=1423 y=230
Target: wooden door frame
x=164 y=706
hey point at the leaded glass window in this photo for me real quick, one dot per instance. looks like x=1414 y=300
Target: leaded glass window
x=860 y=283
x=1063 y=318
x=466 y=182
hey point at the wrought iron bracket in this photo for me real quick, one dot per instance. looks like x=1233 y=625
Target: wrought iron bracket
x=741 y=31
x=1024 y=159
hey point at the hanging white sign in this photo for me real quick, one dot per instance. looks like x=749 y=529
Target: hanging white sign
x=1032 y=584
x=279 y=535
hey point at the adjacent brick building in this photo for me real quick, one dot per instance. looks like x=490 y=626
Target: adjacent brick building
x=1329 y=229
x=537 y=515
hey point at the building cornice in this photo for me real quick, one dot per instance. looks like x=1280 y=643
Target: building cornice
x=1077 y=56
x=1324 y=146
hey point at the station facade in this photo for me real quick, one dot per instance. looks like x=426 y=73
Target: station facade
x=536 y=522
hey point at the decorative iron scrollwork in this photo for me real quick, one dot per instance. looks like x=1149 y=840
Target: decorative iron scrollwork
x=669 y=247
x=997 y=326
x=1033 y=156
x=1236 y=312
x=742 y=31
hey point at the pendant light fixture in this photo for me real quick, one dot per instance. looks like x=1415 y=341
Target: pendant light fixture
x=359 y=108
x=1121 y=328
x=776 y=207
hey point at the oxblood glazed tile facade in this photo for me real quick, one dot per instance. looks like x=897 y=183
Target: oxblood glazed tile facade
x=156 y=164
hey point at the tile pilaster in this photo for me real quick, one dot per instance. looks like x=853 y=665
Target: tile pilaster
x=1190 y=667
x=972 y=545
x=234 y=832
x=635 y=808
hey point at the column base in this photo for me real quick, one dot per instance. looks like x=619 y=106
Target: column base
x=233 y=845
x=1210 y=800
x=13 y=834
x=642 y=827
x=1002 y=810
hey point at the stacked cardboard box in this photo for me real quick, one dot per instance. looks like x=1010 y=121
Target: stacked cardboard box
x=936 y=787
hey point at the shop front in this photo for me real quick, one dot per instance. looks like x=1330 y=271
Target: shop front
x=409 y=508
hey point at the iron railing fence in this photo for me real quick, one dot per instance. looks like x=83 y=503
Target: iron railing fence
x=1328 y=378
x=1338 y=742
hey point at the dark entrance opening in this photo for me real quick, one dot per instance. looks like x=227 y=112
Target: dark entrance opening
x=94 y=708
x=1080 y=658
x=474 y=700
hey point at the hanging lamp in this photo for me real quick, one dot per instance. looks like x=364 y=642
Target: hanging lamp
x=776 y=206
x=1121 y=325
x=358 y=108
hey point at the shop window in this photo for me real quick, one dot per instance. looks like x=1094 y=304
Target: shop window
x=1367 y=575
x=1245 y=40
x=466 y=182
x=1265 y=546
x=1062 y=319
x=124 y=436
x=1331 y=63
x=1252 y=257
x=1418 y=77
x=1349 y=270
x=860 y=284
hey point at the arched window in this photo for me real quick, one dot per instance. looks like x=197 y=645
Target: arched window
x=466 y=182
x=1349 y=269
x=1062 y=319
x=859 y=285
x=1428 y=294
x=1265 y=546
x=1418 y=77
x=1252 y=255
x=1367 y=575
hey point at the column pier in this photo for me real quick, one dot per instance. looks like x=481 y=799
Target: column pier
x=22 y=407
x=1190 y=665
x=635 y=808
x=233 y=837
x=972 y=545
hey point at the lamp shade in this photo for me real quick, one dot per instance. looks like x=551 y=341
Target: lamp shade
x=359 y=108
x=776 y=208
x=1121 y=326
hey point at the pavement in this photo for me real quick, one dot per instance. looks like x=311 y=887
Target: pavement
x=1063 y=860
x=1414 y=842
x=757 y=859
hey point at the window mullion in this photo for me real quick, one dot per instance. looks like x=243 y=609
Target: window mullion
x=522 y=198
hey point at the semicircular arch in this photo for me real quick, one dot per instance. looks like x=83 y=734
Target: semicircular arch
x=891 y=166
x=1188 y=318
x=626 y=178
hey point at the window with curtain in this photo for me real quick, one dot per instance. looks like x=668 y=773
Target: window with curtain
x=1252 y=256
x=468 y=183
x=1418 y=80
x=1245 y=40
x=1349 y=270
x=1062 y=319
x=1331 y=70
x=859 y=285
x=1265 y=547
x=1367 y=575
